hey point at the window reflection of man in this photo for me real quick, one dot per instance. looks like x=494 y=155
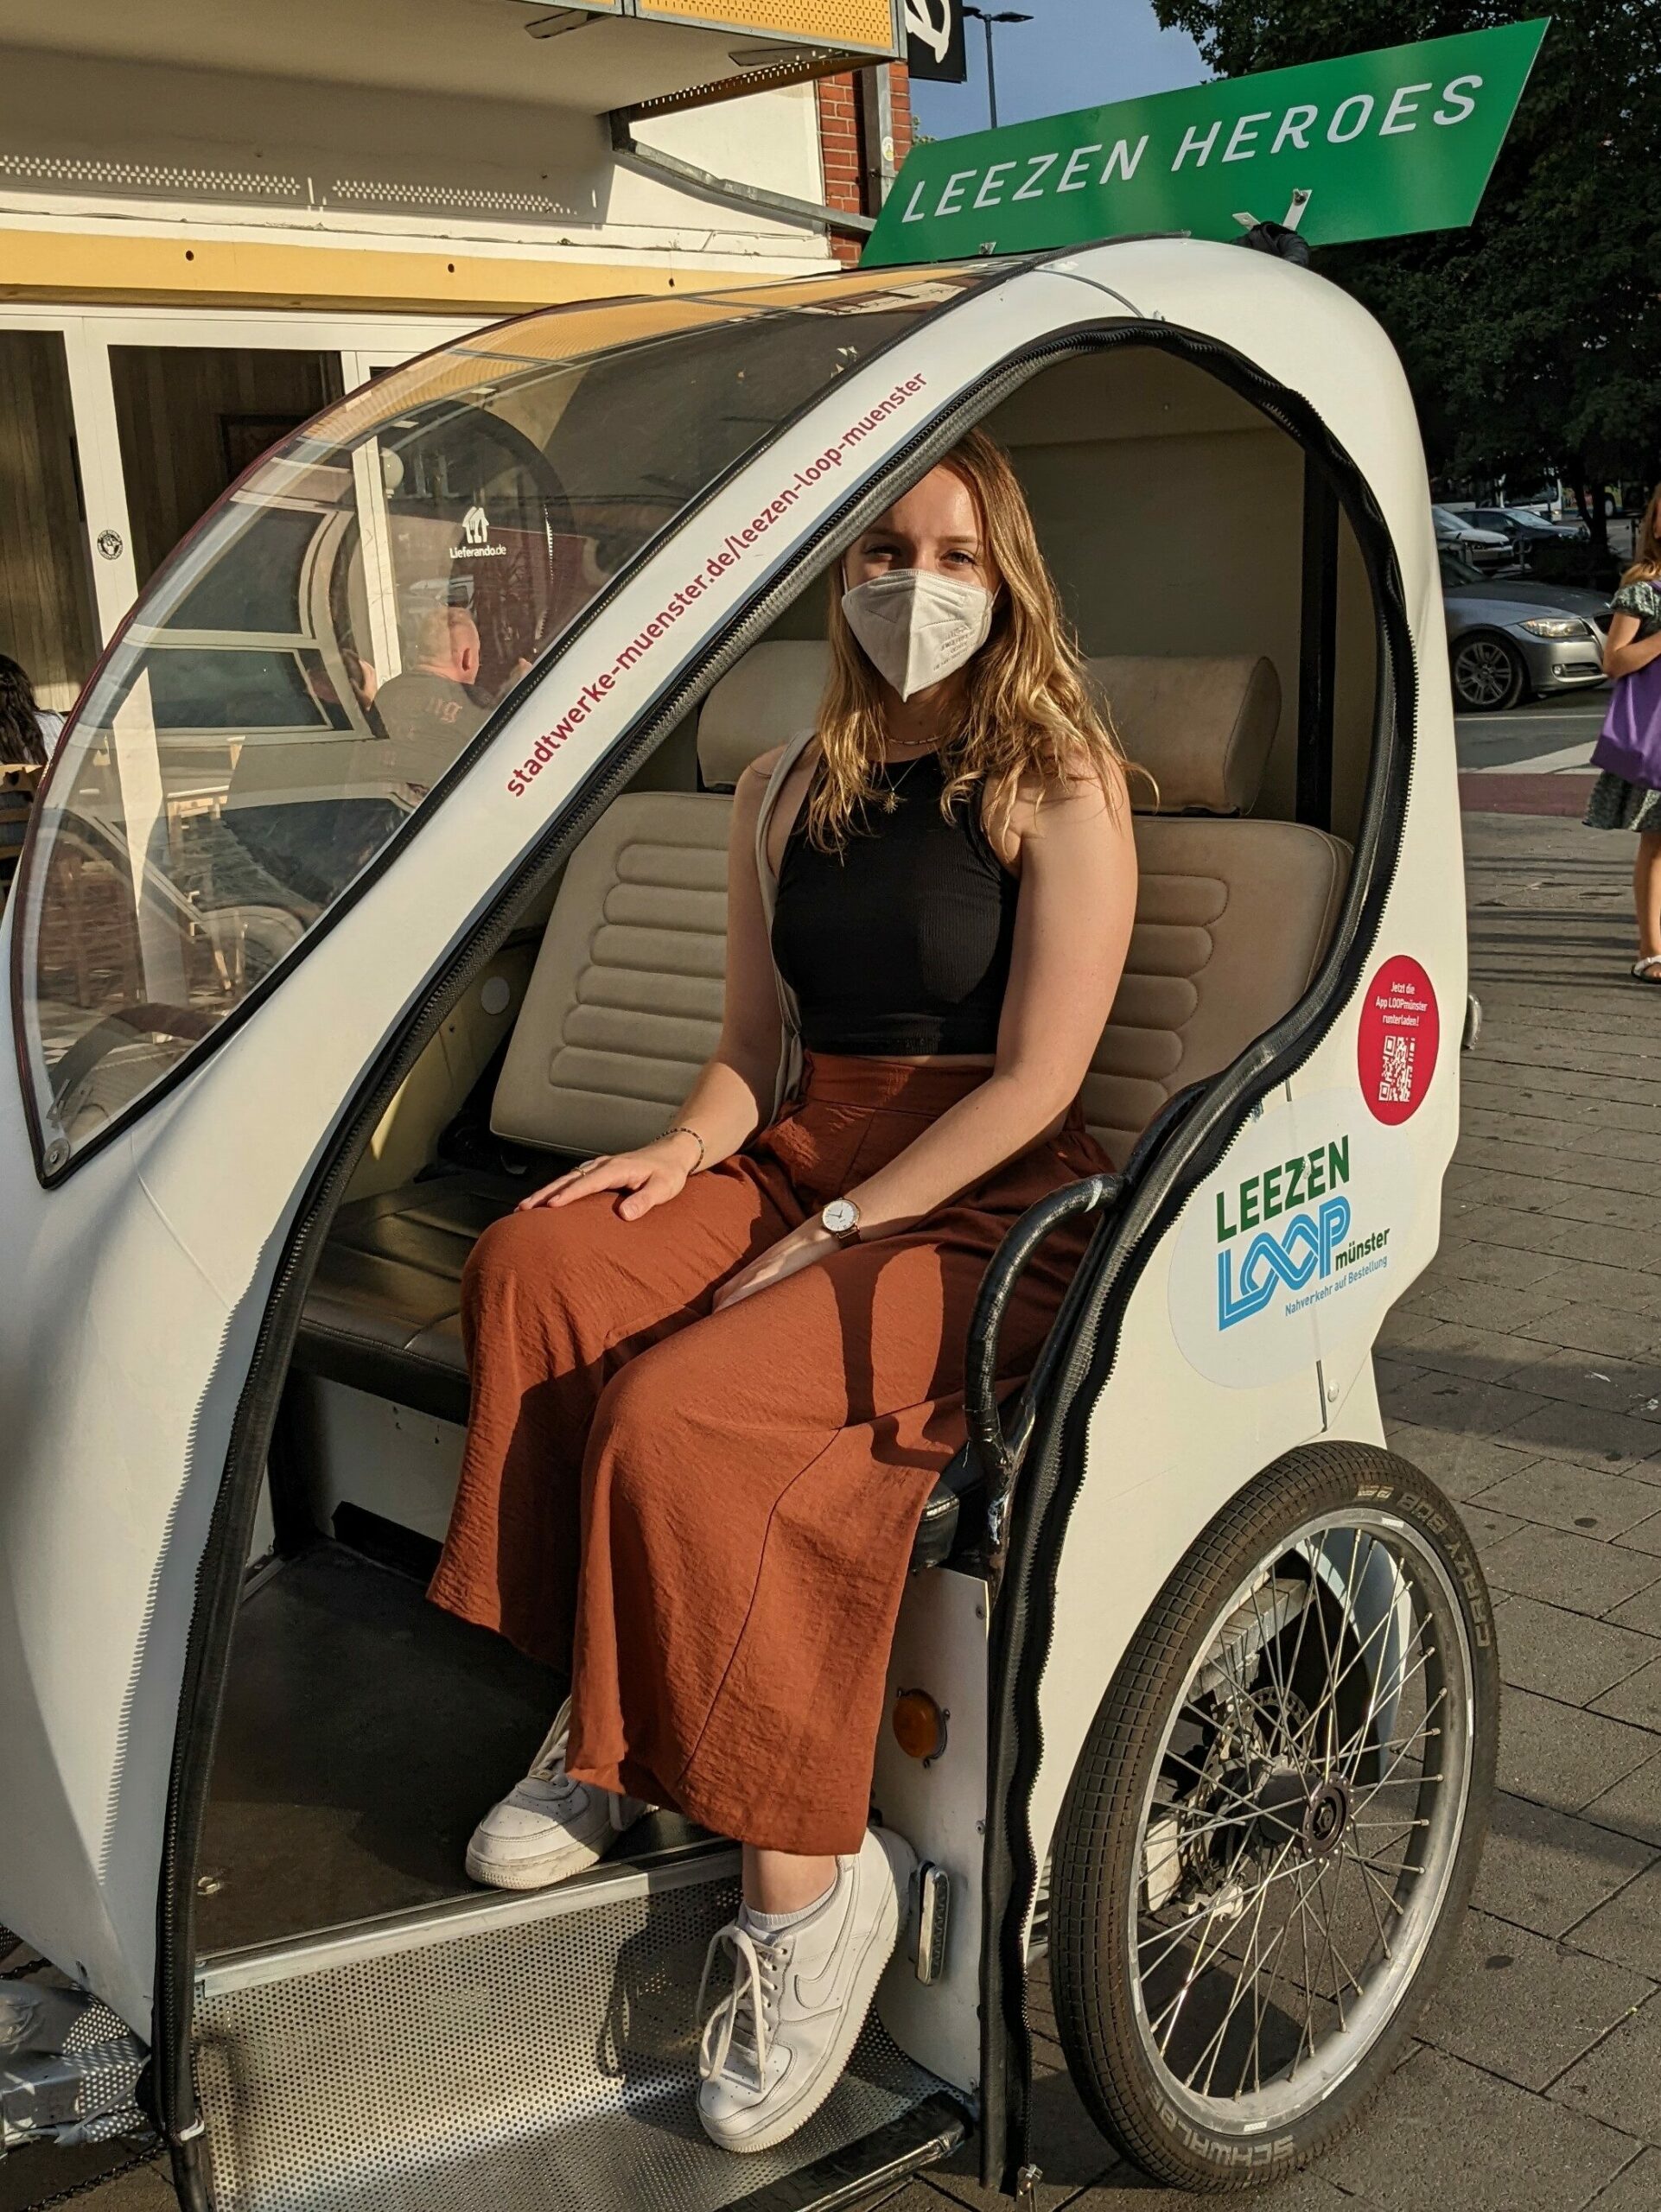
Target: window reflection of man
x=427 y=716
x=430 y=702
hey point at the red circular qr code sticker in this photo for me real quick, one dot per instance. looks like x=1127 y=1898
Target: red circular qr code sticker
x=1396 y=1051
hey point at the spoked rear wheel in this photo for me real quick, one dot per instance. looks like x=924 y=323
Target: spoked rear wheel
x=1275 y=1824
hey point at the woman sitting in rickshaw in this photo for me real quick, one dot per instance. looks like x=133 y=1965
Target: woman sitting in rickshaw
x=715 y=1379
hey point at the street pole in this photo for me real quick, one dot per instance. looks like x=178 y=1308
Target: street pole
x=877 y=99
x=986 y=17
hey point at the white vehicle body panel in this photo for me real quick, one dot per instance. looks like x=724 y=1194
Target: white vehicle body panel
x=149 y=1270
x=939 y=1808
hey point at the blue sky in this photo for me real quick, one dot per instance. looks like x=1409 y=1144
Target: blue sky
x=1073 y=54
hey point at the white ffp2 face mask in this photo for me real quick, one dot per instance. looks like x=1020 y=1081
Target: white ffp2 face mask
x=918 y=628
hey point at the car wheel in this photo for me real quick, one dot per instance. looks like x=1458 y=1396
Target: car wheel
x=1489 y=676
x=1266 y=1850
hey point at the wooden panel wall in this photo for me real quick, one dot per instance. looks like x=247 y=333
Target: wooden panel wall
x=172 y=405
x=46 y=605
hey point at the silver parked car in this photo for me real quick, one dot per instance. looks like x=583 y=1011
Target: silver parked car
x=1509 y=640
x=1457 y=533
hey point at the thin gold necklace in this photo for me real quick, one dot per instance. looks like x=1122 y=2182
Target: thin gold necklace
x=891 y=795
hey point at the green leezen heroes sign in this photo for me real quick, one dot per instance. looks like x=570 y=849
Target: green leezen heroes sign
x=1400 y=140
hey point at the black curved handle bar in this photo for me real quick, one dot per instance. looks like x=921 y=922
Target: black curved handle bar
x=997 y=1455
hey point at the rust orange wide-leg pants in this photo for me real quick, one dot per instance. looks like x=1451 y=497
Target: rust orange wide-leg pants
x=709 y=1516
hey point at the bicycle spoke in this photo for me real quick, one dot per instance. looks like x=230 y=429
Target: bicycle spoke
x=1301 y=1907
x=1255 y=1965
x=1311 y=1604
x=1266 y=1648
x=1263 y=2001
x=1199 y=1955
x=1336 y=1682
x=1357 y=1737
x=1374 y=1877
x=1384 y=1780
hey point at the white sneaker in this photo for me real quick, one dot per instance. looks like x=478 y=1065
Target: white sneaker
x=549 y=1828
x=774 y=2050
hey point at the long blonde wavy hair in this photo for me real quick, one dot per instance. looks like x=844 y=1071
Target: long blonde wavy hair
x=1647 y=547
x=1028 y=710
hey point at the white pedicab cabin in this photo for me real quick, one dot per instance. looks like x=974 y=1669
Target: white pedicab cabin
x=316 y=958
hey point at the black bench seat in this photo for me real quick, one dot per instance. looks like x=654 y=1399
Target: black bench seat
x=384 y=1314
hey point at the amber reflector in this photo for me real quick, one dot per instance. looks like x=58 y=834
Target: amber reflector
x=919 y=1729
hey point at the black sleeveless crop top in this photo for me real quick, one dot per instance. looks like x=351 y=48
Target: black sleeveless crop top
x=899 y=943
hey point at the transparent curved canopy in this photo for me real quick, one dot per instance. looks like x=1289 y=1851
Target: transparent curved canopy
x=307 y=664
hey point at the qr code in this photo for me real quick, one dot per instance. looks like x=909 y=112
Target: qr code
x=1396 y=1079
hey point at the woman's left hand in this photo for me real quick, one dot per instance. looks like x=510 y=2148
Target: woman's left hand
x=802 y=1246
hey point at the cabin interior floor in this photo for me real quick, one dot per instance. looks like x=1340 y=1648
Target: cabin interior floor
x=363 y=1734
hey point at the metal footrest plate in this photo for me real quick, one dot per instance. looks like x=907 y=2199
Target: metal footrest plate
x=543 y=2064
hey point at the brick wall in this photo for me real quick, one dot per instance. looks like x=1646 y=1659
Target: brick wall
x=841 y=143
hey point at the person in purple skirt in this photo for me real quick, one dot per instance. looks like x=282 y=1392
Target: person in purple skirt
x=1627 y=794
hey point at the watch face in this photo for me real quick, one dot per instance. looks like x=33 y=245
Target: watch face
x=840 y=1216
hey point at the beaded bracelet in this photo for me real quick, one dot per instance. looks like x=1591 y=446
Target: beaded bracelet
x=681 y=1130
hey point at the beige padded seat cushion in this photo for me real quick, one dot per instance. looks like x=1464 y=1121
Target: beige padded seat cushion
x=1232 y=919
x=624 y=1005
x=1201 y=724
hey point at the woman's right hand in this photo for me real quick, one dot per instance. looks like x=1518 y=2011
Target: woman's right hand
x=649 y=1176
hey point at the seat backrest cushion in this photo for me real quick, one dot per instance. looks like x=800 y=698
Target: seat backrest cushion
x=1232 y=919
x=1201 y=724
x=1232 y=916
x=624 y=1005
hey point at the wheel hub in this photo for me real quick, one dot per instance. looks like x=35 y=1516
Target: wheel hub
x=1326 y=1816
x=1289 y=1805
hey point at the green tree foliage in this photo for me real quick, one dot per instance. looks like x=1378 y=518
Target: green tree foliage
x=1533 y=340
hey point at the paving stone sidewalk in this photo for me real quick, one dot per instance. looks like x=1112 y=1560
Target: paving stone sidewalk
x=1524 y=1372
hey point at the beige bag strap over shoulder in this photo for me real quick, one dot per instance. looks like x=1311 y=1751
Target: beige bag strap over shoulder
x=790 y=1055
